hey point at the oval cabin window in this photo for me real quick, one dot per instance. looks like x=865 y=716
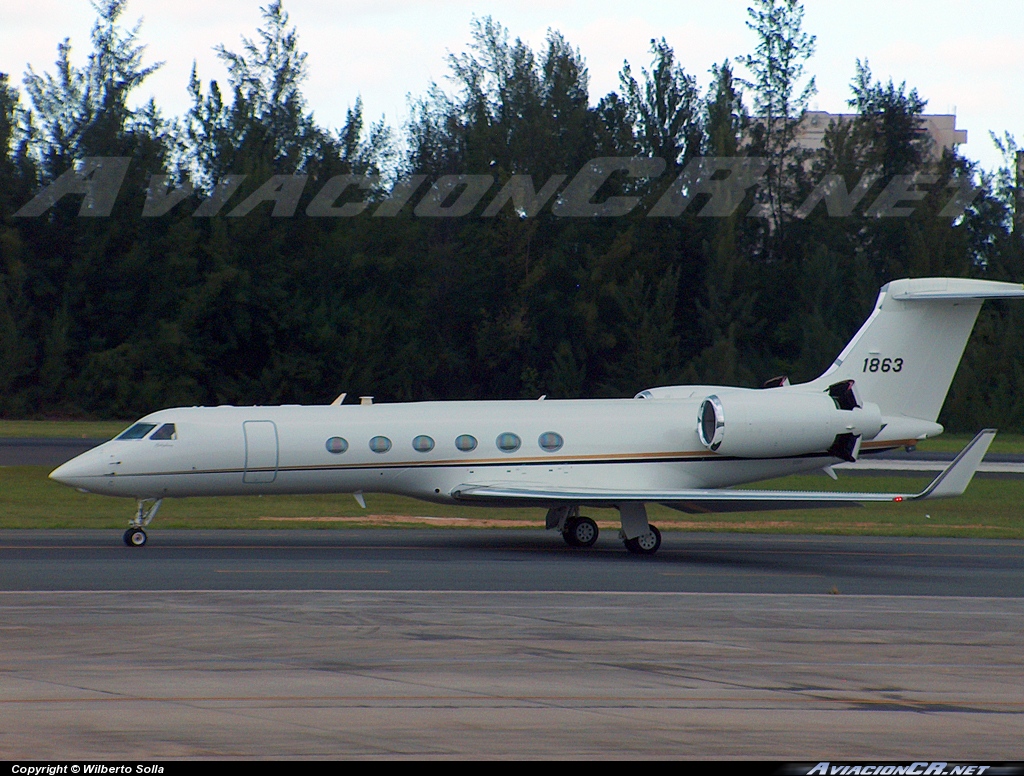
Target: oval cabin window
x=508 y=442
x=380 y=444
x=336 y=445
x=423 y=444
x=465 y=443
x=550 y=441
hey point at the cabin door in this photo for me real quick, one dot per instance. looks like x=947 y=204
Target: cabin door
x=260 y=451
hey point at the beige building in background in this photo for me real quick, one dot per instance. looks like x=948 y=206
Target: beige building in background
x=941 y=127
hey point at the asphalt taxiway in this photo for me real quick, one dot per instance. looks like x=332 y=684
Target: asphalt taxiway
x=507 y=560
x=466 y=643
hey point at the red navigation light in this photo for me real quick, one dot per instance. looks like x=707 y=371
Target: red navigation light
x=898 y=498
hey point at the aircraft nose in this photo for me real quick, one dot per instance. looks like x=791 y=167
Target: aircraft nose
x=61 y=474
x=77 y=471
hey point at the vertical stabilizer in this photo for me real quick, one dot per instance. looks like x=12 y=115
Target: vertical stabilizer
x=905 y=355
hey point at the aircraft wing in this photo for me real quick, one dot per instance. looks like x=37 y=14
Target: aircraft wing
x=952 y=481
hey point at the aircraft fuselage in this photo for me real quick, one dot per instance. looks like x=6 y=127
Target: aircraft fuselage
x=413 y=449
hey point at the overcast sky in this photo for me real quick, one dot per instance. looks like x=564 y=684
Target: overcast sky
x=963 y=56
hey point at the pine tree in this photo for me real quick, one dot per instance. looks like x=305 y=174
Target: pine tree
x=777 y=71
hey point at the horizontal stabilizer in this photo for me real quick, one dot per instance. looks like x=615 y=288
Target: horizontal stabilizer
x=952 y=481
x=953 y=288
x=955 y=478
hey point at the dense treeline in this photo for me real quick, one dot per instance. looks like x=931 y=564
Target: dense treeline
x=120 y=315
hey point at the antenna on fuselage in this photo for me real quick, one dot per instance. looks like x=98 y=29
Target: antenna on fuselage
x=339 y=400
x=366 y=400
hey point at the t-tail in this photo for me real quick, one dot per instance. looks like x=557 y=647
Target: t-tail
x=905 y=355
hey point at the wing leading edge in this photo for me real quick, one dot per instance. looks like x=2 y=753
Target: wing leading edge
x=952 y=481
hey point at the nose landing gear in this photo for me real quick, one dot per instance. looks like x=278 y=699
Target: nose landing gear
x=135 y=536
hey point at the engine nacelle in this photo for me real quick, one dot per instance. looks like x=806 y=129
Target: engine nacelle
x=782 y=423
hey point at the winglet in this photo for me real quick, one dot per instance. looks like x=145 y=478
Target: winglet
x=955 y=478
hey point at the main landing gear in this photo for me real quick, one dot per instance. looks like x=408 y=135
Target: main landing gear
x=639 y=536
x=135 y=536
x=644 y=544
x=576 y=529
x=580 y=531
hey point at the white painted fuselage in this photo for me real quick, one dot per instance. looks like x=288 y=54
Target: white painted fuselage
x=626 y=444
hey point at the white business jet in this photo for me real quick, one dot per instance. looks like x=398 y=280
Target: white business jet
x=682 y=446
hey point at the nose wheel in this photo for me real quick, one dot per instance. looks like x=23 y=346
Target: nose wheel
x=135 y=537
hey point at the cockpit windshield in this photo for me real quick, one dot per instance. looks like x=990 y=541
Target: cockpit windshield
x=166 y=431
x=138 y=431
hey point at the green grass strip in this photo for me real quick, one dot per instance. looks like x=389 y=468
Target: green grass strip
x=989 y=509
x=49 y=429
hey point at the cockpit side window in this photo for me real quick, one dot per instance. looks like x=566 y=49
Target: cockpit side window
x=138 y=431
x=166 y=431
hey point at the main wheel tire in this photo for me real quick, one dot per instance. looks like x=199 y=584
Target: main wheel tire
x=645 y=544
x=569 y=531
x=135 y=537
x=584 y=532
